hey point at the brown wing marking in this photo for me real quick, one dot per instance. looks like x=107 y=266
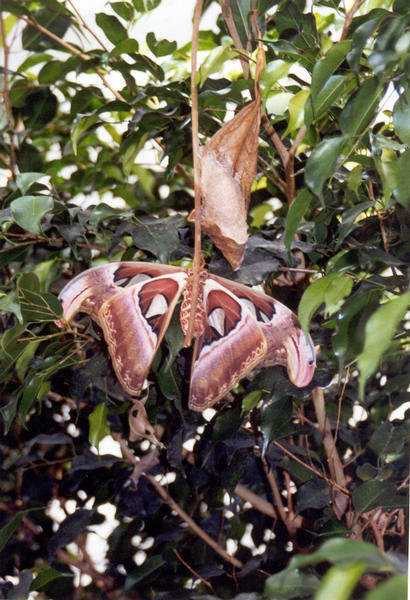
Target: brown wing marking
x=89 y=290
x=134 y=322
x=287 y=343
x=231 y=345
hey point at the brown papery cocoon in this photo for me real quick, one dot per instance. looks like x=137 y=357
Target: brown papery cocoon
x=228 y=166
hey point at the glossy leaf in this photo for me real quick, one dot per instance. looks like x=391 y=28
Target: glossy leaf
x=98 y=424
x=361 y=109
x=379 y=332
x=338 y=583
x=371 y=494
x=295 y=213
x=28 y=211
x=401 y=116
x=322 y=163
x=112 y=27
x=330 y=289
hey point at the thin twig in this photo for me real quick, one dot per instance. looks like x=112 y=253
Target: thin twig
x=284 y=516
x=191 y=570
x=339 y=410
x=313 y=469
x=335 y=464
x=349 y=18
x=86 y=26
x=233 y=32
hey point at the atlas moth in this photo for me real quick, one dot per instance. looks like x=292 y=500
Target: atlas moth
x=236 y=328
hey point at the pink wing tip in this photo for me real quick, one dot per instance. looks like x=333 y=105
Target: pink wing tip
x=301 y=361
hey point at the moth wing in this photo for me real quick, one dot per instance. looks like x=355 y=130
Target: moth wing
x=89 y=290
x=134 y=322
x=287 y=343
x=231 y=345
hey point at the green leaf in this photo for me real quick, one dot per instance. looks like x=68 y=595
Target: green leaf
x=295 y=213
x=331 y=289
x=214 y=62
x=315 y=493
x=25 y=358
x=274 y=417
x=160 y=47
x=152 y=564
x=395 y=587
x=401 y=116
x=39 y=108
x=251 y=400
x=291 y=583
x=375 y=493
x=143 y=6
x=341 y=551
x=8 y=413
x=112 y=27
x=326 y=66
x=52 y=20
x=322 y=163
x=378 y=334
x=296 y=111
x=330 y=92
x=46 y=576
x=98 y=424
x=31 y=392
x=7 y=531
x=82 y=124
x=158 y=236
x=339 y=582
x=105 y=212
x=27 y=211
x=24 y=181
x=402 y=190
x=36 y=305
x=360 y=109
x=9 y=303
x=240 y=12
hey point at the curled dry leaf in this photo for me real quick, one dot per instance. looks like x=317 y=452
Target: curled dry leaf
x=228 y=167
x=140 y=427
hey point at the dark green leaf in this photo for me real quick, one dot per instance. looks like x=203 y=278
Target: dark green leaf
x=360 y=109
x=313 y=494
x=7 y=531
x=8 y=413
x=37 y=305
x=158 y=236
x=39 y=108
x=291 y=583
x=379 y=332
x=274 y=417
x=341 y=551
x=331 y=289
x=372 y=494
x=98 y=424
x=27 y=211
x=295 y=213
x=402 y=191
x=112 y=27
x=36 y=40
x=322 y=163
x=45 y=576
x=160 y=47
x=240 y=10
x=152 y=564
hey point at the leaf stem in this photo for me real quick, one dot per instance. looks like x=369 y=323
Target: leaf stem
x=197 y=263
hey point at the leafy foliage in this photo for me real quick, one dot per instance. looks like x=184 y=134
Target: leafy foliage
x=305 y=489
